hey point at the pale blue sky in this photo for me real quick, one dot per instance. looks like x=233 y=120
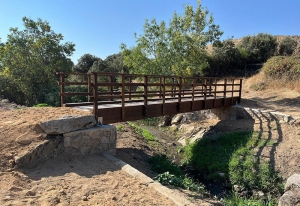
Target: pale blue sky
x=99 y=27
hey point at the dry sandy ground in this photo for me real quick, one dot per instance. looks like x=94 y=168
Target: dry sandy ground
x=74 y=180
x=94 y=180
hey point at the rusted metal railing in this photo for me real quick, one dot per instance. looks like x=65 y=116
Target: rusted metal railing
x=124 y=89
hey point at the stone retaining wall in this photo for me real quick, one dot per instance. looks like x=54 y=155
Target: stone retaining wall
x=91 y=141
x=95 y=140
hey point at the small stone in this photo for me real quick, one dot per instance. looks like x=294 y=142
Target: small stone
x=62 y=192
x=30 y=193
x=84 y=198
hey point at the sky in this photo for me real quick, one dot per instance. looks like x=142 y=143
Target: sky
x=98 y=27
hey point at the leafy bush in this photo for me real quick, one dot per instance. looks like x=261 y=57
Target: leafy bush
x=235 y=200
x=259 y=48
x=181 y=181
x=281 y=67
x=161 y=164
x=143 y=132
x=42 y=105
x=233 y=155
x=287 y=46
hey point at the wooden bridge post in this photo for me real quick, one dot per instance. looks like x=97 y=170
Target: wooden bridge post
x=163 y=95
x=89 y=87
x=145 y=94
x=232 y=89
x=215 y=91
x=224 y=92
x=193 y=95
x=205 y=89
x=179 y=93
x=95 y=94
x=123 y=96
x=62 y=90
x=240 y=92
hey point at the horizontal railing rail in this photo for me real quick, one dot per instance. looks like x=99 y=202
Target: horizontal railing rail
x=109 y=88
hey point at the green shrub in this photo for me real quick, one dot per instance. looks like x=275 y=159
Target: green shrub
x=233 y=156
x=181 y=181
x=281 y=67
x=287 y=46
x=143 y=132
x=235 y=200
x=42 y=105
x=161 y=164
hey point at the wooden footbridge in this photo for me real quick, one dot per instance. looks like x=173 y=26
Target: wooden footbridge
x=122 y=97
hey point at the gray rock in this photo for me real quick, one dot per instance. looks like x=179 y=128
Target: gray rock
x=292 y=191
x=293 y=182
x=177 y=119
x=68 y=124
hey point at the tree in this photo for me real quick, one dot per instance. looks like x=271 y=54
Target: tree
x=85 y=63
x=287 y=46
x=259 y=48
x=227 y=59
x=29 y=60
x=174 y=49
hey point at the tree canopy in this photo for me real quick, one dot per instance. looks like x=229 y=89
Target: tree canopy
x=177 y=48
x=29 y=60
x=287 y=46
x=259 y=48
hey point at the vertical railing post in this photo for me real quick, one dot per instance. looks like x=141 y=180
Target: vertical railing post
x=179 y=93
x=62 y=90
x=173 y=92
x=205 y=88
x=240 y=92
x=123 y=96
x=145 y=94
x=130 y=88
x=224 y=92
x=163 y=95
x=215 y=91
x=160 y=87
x=232 y=89
x=111 y=87
x=95 y=94
x=193 y=95
x=89 y=87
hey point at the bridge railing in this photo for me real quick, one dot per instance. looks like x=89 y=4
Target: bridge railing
x=111 y=88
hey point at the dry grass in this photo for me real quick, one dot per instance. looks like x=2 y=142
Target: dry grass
x=261 y=82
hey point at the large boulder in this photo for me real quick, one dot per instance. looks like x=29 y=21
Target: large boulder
x=68 y=124
x=292 y=192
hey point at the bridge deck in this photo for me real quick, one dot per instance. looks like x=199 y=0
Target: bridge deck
x=149 y=98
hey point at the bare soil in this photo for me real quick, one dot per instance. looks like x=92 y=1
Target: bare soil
x=94 y=180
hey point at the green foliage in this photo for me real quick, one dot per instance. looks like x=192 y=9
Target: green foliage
x=174 y=49
x=235 y=200
x=287 y=46
x=29 y=60
x=250 y=172
x=227 y=59
x=281 y=67
x=85 y=63
x=171 y=174
x=212 y=156
x=152 y=121
x=233 y=155
x=143 y=132
x=259 y=48
x=42 y=105
x=161 y=164
x=181 y=181
x=120 y=128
